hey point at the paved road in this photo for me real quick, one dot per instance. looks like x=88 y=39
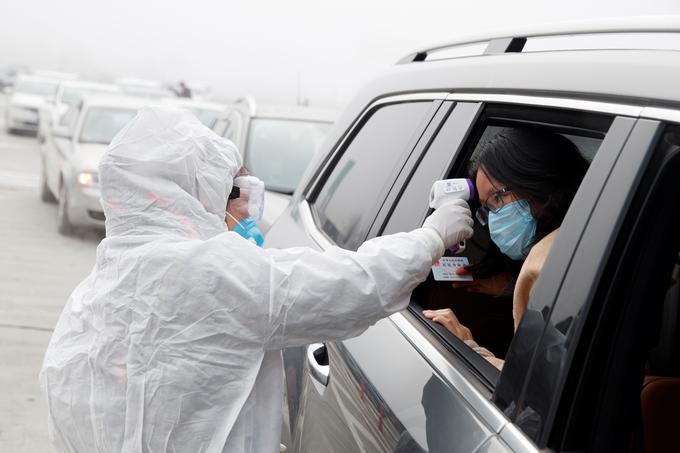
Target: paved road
x=38 y=270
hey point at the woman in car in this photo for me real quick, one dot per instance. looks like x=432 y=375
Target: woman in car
x=526 y=179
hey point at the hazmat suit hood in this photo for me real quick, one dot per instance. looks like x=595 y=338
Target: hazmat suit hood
x=167 y=174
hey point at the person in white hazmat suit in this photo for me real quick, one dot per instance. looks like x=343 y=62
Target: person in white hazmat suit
x=172 y=343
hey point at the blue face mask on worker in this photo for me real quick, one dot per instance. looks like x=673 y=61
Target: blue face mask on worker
x=513 y=229
x=249 y=209
x=248 y=229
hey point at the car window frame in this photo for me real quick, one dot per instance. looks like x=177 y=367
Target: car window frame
x=457 y=163
x=524 y=347
x=572 y=107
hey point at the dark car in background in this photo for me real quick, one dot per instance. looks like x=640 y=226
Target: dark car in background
x=595 y=362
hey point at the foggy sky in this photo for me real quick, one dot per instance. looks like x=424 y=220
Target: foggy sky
x=263 y=47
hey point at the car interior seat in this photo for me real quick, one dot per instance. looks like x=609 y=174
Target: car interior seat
x=660 y=396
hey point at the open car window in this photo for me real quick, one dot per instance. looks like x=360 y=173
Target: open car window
x=486 y=310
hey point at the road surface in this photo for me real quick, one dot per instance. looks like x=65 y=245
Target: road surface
x=38 y=270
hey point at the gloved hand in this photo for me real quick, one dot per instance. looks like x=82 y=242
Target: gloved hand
x=452 y=221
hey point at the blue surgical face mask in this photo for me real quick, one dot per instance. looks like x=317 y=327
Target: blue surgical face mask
x=248 y=229
x=513 y=229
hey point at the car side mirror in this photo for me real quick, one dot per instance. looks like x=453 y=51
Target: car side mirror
x=61 y=132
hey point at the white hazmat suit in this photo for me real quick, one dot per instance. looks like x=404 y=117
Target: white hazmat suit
x=172 y=343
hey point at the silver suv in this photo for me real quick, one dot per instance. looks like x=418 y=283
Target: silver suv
x=594 y=364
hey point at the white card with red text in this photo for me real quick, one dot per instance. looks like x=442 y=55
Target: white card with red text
x=444 y=270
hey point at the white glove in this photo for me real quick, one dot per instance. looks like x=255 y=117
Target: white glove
x=452 y=221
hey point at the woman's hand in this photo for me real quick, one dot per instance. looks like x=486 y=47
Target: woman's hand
x=446 y=318
x=494 y=286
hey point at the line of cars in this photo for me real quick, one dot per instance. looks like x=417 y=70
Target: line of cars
x=76 y=119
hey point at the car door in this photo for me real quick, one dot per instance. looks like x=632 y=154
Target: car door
x=407 y=384
x=351 y=185
x=342 y=410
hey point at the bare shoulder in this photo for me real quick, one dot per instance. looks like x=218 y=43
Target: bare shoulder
x=538 y=254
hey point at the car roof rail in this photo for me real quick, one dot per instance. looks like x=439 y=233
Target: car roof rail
x=249 y=103
x=514 y=41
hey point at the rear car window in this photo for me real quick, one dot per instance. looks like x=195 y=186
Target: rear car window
x=101 y=124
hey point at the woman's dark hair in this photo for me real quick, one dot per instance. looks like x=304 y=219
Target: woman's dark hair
x=543 y=167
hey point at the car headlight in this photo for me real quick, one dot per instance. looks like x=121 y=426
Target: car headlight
x=87 y=178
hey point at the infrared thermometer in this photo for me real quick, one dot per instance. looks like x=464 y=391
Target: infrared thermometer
x=452 y=189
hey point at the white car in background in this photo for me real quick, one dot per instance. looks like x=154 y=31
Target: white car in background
x=277 y=143
x=69 y=92
x=206 y=111
x=70 y=160
x=25 y=100
x=143 y=88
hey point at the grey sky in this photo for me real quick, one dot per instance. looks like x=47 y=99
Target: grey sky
x=259 y=47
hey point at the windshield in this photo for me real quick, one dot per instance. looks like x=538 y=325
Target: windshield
x=278 y=151
x=101 y=124
x=39 y=87
x=71 y=95
x=205 y=116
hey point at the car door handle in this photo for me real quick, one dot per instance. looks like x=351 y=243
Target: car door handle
x=317 y=357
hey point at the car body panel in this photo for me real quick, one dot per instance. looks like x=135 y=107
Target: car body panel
x=23 y=112
x=365 y=408
x=25 y=101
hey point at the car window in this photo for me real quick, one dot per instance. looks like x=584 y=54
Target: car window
x=279 y=150
x=435 y=164
x=351 y=195
x=205 y=116
x=101 y=124
x=484 y=305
